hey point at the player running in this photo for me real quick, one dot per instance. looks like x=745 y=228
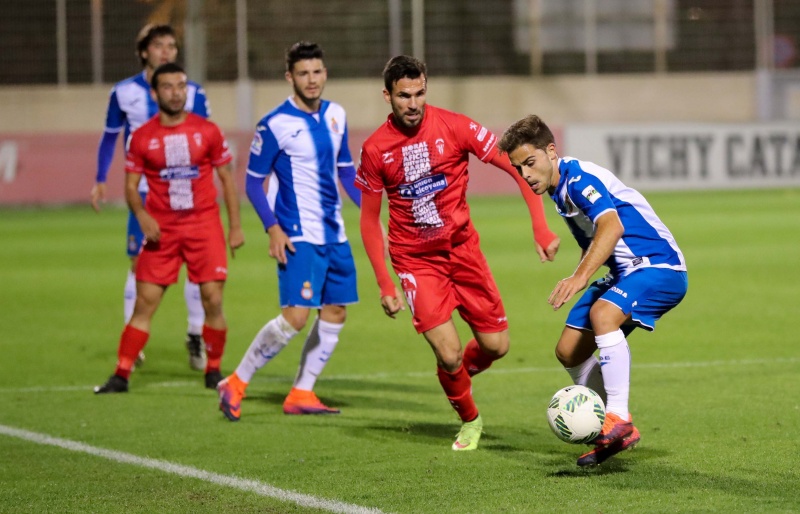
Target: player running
x=419 y=157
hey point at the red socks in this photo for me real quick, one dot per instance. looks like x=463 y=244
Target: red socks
x=458 y=388
x=130 y=344
x=215 y=346
x=475 y=360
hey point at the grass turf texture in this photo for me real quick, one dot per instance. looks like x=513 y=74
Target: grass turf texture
x=714 y=389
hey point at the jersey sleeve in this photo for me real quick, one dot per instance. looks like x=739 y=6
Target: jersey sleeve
x=590 y=195
x=344 y=158
x=220 y=152
x=368 y=174
x=475 y=138
x=115 y=116
x=134 y=157
x=263 y=151
x=201 y=106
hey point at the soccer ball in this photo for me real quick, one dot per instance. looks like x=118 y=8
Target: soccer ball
x=576 y=414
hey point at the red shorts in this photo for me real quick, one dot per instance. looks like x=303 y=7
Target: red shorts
x=437 y=283
x=200 y=244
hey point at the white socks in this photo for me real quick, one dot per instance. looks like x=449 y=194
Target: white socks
x=194 y=305
x=588 y=374
x=615 y=358
x=319 y=345
x=269 y=341
x=129 y=300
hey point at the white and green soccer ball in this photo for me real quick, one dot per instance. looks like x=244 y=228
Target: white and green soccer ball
x=576 y=414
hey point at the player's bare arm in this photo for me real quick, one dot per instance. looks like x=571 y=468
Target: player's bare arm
x=279 y=243
x=150 y=228
x=231 y=195
x=608 y=231
x=98 y=195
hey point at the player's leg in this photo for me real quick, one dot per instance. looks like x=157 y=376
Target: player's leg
x=575 y=351
x=480 y=305
x=215 y=330
x=339 y=288
x=323 y=336
x=134 y=238
x=456 y=383
x=195 y=346
x=134 y=336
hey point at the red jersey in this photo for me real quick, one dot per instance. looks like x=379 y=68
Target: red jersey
x=178 y=163
x=424 y=173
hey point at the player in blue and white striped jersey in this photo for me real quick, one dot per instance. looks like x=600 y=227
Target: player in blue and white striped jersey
x=130 y=105
x=302 y=147
x=614 y=226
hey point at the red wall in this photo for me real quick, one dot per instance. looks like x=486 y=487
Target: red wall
x=60 y=168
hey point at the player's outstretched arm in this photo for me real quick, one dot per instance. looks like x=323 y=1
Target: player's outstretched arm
x=372 y=236
x=608 y=230
x=547 y=243
x=231 y=195
x=150 y=228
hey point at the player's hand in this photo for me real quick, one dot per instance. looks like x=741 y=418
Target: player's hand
x=150 y=228
x=393 y=304
x=279 y=243
x=565 y=290
x=235 y=240
x=549 y=253
x=98 y=195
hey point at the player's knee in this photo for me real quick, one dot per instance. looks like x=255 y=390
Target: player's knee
x=605 y=317
x=567 y=355
x=297 y=318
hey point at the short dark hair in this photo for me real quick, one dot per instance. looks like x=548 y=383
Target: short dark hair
x=403 y=66
x=530 y=130
x=169 y=67
x=147 y=34
x=301 y=51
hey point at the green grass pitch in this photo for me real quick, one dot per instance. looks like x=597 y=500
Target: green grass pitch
x=715 y=389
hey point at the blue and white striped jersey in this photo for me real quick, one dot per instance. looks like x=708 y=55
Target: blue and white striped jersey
x=304 y=151
x=585 y=191
x=129 y=106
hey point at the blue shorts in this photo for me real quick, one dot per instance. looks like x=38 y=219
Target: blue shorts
x=317 y=275
x=646 y=294
x=135 y=234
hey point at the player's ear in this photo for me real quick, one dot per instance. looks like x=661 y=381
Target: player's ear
x=289 y=78
x=551 y=151
x=387 y=96
x=153 y=95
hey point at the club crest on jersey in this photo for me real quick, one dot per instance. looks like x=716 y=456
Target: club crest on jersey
x=591 y=194
x=198 y=138
x=423 y=187
x=440 y=146
x=334 y=126
x=307 y=293
x=387 y=157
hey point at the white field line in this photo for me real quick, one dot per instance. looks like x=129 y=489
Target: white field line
x=254 y=486
x=425 y=374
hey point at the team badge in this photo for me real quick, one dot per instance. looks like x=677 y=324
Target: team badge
x=334 y=125
x=198 y=138
x=132 y=244
x=591 y=194
x=306 y=292
x=409 y=284
x=440 y=146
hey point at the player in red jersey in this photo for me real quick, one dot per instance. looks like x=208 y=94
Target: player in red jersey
x=177 y=152
x=419 y=157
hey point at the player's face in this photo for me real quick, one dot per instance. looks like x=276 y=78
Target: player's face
x=171 y=93
x=161 y=50
x=308 y=78
x=537 y=167
x=407 y=99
